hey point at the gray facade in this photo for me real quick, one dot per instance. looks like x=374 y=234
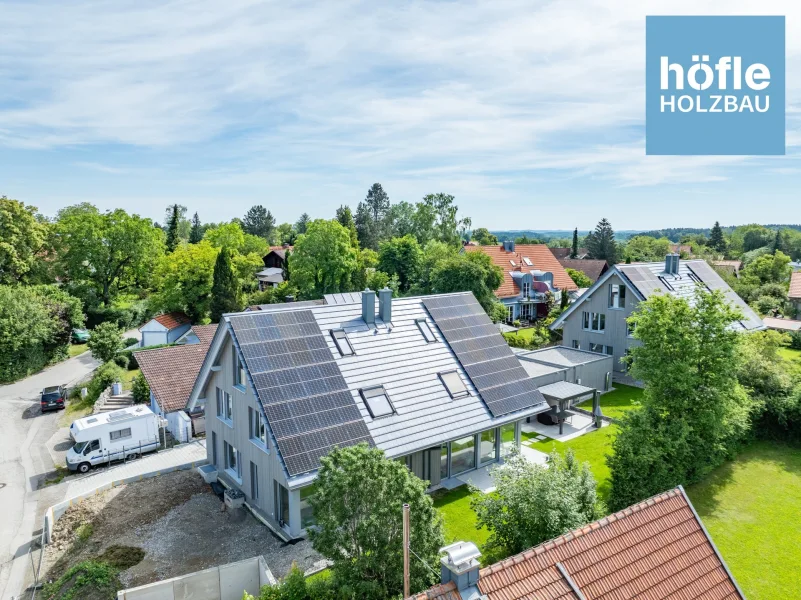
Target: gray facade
x=552 y=365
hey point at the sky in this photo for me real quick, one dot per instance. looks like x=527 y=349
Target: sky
x=530 y=113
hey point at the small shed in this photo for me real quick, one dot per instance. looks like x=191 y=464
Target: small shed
x=164 y=329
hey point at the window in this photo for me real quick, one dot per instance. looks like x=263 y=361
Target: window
x=229 y=406
x=463 y=455
x=281 y=504
x=425 y=329
x=306 y=510
x=577 y=344
x=377 y=401
x=91 y=447
x=526 y=289
x=254 y=481
x=630 y=327
x=239 y=371
x=488 y=450
x=453 y=383
x=342 y=342
x=527 y=260
x=258 y=427
x=120 y=434
x=513 y=263
x=443 y=461
x=220 y=409
x=511 y=316
x=214 y=448
x=617 y=296
x=508 y=438
x=232 y=460
x=599 y=348
x=610 y=350
x=593 y=321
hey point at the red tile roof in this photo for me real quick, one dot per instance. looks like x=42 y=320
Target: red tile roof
x=795 y=286
x=173 y=319
x=205 y=333
x=171 y=371
x=541 y=257
x=565 y=252
x=655 y=549
x=590 y=267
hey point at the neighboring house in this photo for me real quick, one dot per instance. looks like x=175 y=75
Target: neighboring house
x=429 y=380
x=270 y=277
x=164 y=329
x=794 y=293
x=590 y=267
x=658 y=548
x=530 y=272
x=685 y=250
x=171 y=372
x=301 y=304
x=596 y=321
x=561 y=253
x=731 y=267
x=276 y=257
x=795 y=266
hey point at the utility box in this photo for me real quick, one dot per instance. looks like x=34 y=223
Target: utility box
x=234 y=498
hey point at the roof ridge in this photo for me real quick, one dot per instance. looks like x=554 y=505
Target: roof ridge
x=585 y=529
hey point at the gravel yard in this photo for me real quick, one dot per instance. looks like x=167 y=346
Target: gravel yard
x=179 y=524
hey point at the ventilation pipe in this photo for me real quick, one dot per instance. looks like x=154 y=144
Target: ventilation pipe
x=460 y=565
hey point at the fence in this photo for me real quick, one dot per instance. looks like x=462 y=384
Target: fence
x=36 y=565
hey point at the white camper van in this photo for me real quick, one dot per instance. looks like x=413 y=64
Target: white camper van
x=114 y=435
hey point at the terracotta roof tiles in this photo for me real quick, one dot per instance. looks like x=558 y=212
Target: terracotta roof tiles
x=795 y=286
x=590 y=267
x=541 y=257
x=173 y=319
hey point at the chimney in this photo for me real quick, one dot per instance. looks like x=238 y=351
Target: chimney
x=460 y=565
x=672 y=264
x=509 y=245
x=368 y=306
x=385 y=305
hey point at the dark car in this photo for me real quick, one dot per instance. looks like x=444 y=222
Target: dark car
x=53 y=398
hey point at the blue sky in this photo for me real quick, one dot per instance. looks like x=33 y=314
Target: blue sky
x=530 y=113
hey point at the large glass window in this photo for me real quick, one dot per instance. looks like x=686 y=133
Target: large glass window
x=463 y=455
x=443 y=461
x=281 y=504
x=488 y=449
x=508 y=441
x=232 y=461
x=306 y=511
x=526 y=289
x=593 y=321
x=617 y=296
x=258 y=427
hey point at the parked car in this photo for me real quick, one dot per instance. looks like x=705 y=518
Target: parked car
x=80 y=336
x=52 y=398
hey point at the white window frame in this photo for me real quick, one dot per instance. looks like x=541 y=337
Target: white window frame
x=617 y=296
x=511 y=313
x=526 y=289
x=593 y=321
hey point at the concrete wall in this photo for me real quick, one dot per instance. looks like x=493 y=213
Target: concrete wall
x=269 y=466
x=615 y=333
x=226 y=582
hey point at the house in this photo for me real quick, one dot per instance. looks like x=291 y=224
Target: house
x=590 y=267
x=794 y=293
x=270 y=277
x=276 y=257
x=732 y=267
x=685 y=250
x=530 y=273
x=658 y=548
x=429 y=380
x=561 y=253
x=164 y=329
x=596 y=321
x=171 y=372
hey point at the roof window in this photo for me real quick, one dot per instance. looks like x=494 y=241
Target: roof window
x=453 y=383
x=425 y=329
x=513 y=263
x=343 y=343
x=527 y=260
x=377 y=401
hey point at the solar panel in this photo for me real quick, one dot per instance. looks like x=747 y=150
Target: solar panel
x=504 y=385
x=714 y=281
x=300 y=386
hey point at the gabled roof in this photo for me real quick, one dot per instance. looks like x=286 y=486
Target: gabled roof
x=172 y=320
x=655 y=549
x=590 y=267
x=541 y=258
x=646 y=279
x=795 y=286
x=279 y=251
x=561 y=253
x=171 y=372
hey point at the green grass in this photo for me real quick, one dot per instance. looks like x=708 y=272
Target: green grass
x=793 y=358
x=128 y=377
x=750 y=506
x=617 y=402
x=459 y=518
x=591 y=447
x=77 y=349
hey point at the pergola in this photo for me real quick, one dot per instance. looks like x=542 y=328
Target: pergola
x=563 y=394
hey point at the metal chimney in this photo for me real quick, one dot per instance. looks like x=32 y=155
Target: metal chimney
x=368 y=306
x=460 y=565
x=672 y=264
x=385 y=305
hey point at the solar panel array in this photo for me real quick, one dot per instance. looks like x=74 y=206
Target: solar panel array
x=486 y=357
x=305 y=397
x=644 y=279
x=714 y=281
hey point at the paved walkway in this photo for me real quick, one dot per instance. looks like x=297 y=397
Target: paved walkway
x=184 y=455
x=579 y=425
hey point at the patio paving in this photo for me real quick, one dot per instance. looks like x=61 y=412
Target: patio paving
x=578 y=425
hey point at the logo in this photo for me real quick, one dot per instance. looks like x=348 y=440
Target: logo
x=714 y=86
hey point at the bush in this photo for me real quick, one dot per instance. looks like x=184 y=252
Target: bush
x=124 y=317
x=105 y=342
x=140 y=389
x=122 y=361
x=104 y=376
x=129 y=341
x=795 y=340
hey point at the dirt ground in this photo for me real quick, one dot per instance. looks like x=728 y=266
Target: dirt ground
x=179 y=524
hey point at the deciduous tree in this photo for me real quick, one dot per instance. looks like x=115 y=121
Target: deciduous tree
x=105 y=341
x=468 y=272
x=483 y=237
x=323 y=260
x=401 y=257
x=23 y=237
x=184 y=278
x=579 y=278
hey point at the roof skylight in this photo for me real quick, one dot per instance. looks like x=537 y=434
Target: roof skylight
x=342 y=342
x=377 y=401
x=527 y=260
x=453 y=383
x=425 y=329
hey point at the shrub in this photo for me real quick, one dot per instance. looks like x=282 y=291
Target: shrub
x=129 y=341
x=104 y=376
x=795 y=340
x=122 y=361
x=105 y=342
x=140 y=389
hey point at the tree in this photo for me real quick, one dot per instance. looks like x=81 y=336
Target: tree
x=716 y=239
x=401 y=257
x=433 y=253
x=468 y=272
x=173 y=220
x=367 y=230
x=140 y=389
x=579 y=278
x=344 y=217
x=323 y=260
x=601 y=242
x=564 y=299
x=643 y=248
x=227 y=235
x=225 y=287
x=105 y=341
x=778 y=242
x=358 y=508
x=196 y=234
x=483 y=237
x=574 y=247
x=23 y=237
x=533 y=503
x=184 y=279
x=286 y=233
x=436 y=219
x=400 y=219
x=106 y=252
x=694 y=412
x=260 y=222
x=303 y=223
x=767 y=268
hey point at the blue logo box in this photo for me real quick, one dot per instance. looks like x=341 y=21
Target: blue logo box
x=714 y=85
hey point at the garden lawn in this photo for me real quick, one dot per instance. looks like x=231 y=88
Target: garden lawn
x=460 y=519
x=76 y=349
x=750 y=506
x=793 y=357
x=128 y=377
x=617 y=402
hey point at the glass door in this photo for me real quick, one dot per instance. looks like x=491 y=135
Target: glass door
x=488 y=451
x=282 y=505
x=463 y=455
